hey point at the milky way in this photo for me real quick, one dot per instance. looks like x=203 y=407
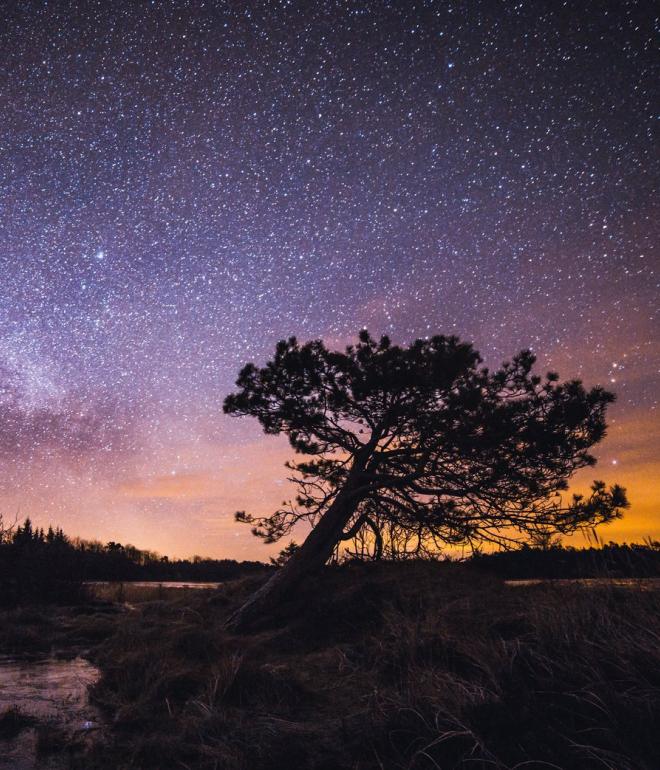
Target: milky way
x=183 y=184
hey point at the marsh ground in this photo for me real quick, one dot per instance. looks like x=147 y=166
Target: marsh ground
x=413 y=665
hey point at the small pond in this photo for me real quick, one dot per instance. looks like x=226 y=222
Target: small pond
x=53 y=693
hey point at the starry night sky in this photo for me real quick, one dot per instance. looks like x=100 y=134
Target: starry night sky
x=184 y=183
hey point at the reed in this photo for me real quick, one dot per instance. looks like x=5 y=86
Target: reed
x=413 y=665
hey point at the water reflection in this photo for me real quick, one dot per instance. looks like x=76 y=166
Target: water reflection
x=134 y=592
x=153 y=584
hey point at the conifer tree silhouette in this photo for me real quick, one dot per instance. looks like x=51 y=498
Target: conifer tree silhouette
x=422 y=438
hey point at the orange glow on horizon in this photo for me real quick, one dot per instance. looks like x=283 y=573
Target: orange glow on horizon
x=181 y=500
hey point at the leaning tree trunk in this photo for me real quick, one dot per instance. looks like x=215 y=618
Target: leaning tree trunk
x=311 y=555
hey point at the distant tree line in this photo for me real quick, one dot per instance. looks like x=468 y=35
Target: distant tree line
x=47 y=565
x=612 y=560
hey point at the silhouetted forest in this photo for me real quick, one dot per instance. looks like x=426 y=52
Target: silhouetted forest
x=612 y=560
x=47 y=565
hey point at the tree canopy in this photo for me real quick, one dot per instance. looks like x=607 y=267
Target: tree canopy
x=439 y=449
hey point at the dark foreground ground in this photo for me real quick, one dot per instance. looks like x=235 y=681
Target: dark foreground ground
x=412 y=665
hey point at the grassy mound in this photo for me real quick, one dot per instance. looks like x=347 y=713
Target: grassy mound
x=413 y=665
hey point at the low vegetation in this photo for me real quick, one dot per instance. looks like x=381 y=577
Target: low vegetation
x=370 y=666
x=39 y=630
x=410 y=665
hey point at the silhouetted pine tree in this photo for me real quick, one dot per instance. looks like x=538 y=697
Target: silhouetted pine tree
x=424 y=439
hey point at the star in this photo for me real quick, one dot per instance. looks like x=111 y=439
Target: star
x=180 y=190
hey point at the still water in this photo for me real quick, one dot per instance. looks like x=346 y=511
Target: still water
x=53 y=692
x=134 y=592
x=153 y=584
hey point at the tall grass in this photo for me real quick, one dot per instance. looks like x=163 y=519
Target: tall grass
x=399 y=666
